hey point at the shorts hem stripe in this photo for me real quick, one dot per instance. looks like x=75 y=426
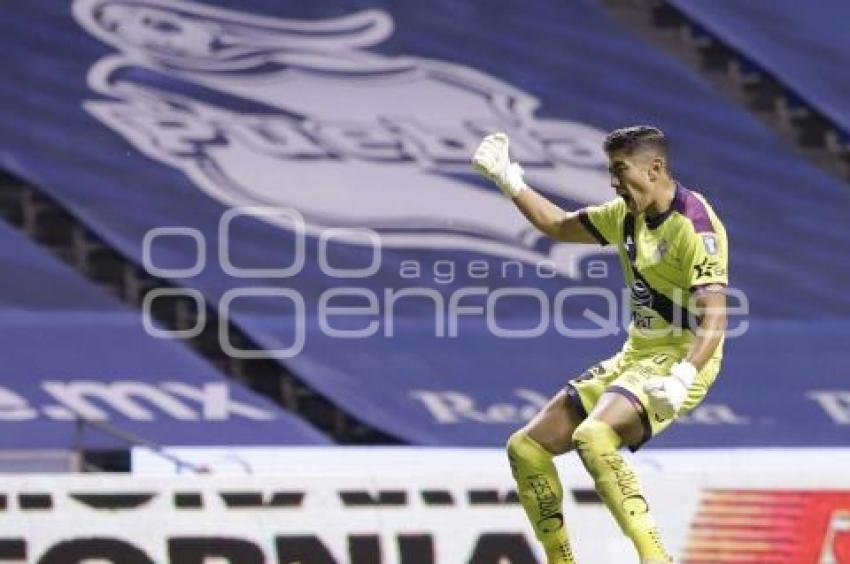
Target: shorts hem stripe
x=644 y=415
x=575 y=400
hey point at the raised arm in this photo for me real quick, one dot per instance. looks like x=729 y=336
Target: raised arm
x=550 y=219
x=492 y=160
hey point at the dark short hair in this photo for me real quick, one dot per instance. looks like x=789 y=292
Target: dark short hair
x=635 y=138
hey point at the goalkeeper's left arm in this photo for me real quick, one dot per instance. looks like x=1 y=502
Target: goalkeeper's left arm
x=668 y=393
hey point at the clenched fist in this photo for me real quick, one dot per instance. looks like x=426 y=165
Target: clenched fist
x=491 y=159
x=668 y=393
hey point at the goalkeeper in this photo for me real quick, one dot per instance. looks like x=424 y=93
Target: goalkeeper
x=672 y=249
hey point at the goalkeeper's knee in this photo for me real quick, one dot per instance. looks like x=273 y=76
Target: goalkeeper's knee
x=593 y=440
x=525 y=451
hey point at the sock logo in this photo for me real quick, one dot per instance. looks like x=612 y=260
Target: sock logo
x=635 y=505
x=627 y=481
x=548 y=504
x=551 y=523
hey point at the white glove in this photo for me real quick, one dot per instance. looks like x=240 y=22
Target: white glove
x=668 y=393
x=491 y=160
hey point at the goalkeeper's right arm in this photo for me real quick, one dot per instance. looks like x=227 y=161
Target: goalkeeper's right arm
x=491 y=159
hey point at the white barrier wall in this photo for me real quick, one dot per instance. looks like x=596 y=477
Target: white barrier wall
x=427 y=507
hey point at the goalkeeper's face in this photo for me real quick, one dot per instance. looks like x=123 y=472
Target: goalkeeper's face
x=634 y=177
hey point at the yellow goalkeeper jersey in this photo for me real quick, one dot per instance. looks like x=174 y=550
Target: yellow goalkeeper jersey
x=666 y=259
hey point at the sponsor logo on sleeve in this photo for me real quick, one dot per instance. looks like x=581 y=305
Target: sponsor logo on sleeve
x=709 y=268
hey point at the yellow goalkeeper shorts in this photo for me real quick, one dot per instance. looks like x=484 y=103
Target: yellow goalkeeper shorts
x=626 y=373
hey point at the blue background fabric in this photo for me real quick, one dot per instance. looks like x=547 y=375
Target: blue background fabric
x=806 y=47
x=127 y=173
x=69 y=349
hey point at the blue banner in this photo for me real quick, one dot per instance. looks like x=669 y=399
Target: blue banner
x=70 y=351
x=807 y=48
x=306 y=166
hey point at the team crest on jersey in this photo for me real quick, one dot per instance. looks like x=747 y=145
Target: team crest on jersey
x=661 y=250
x=306 y=115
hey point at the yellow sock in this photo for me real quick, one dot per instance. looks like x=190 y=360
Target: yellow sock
x=618 y=486
x=541 y=495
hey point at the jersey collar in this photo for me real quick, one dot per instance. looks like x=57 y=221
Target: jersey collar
x=655 y=221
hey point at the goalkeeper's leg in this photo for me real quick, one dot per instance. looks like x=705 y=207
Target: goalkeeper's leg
x=614 y=421
x=530 y=451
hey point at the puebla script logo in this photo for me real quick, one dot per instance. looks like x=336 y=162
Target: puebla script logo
x=265 y=111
